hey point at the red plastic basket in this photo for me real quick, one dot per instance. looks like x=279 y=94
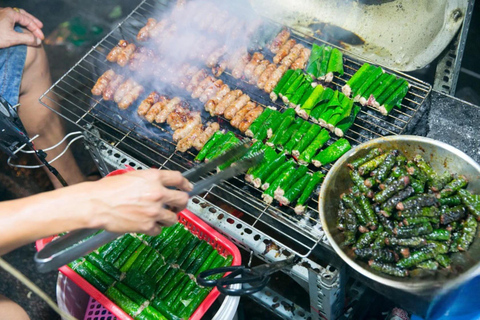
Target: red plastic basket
x=196 y=226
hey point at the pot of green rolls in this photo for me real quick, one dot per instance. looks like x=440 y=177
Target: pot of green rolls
x=403 y=211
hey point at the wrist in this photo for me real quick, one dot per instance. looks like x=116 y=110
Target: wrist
x=72 y=206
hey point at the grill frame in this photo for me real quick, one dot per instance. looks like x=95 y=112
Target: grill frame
x=88 y=113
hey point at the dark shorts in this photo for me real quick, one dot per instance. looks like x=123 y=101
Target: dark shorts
x=12 y=61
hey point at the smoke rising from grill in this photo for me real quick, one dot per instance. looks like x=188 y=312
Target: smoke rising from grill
x=202 y=34
x=183 y=38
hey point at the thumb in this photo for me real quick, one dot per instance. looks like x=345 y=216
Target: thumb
x=25 y=38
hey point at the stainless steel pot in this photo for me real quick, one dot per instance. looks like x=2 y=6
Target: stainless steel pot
x=442 y=157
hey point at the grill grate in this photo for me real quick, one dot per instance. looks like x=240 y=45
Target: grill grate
x=152 y=143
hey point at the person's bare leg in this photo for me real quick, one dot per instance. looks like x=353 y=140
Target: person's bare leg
x=41 y=120
x=9 y=310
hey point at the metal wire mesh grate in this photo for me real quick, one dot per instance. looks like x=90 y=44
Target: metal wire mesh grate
x=152 y=143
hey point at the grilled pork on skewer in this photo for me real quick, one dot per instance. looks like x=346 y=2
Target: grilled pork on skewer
x=167 y=109
x=144 y=33
x=130 y=97
x=274 y=78
x=220 y=68
x=249 y=118
x=140 y=57
x=196 y=79
x=113 y=85
x=205 y=135
x=262 y=65
x=156 y=108
x=284 y=50
x=157 y=30
x=211 y=91
x=226 y=101
x=126 y=54
x=279 y=40
x=187 y=77
x=237 y=70
x=204 y=84
x=214 y=56
x=103 y=82
x=191 y=123
x=292 y=55
x=212 y=103
x=237 y=119
x=236 y=106
x=147 y=103
x=208 y=48
x=115 y=52
x=302 y=59
x=179 y=117
x=187 y=142
x=250 y=67
x=124 y=88
x=266 y=75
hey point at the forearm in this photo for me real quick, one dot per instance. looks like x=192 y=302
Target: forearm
x=25 y=220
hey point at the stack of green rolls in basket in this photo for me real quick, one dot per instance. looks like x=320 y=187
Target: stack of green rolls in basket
x=152 y=277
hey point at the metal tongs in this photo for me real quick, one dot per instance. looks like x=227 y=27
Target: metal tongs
x=75 y=244
x=252 y=279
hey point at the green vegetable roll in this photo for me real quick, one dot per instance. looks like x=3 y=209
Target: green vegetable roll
x=307 y=155
x=307 y=192
x=332 y=152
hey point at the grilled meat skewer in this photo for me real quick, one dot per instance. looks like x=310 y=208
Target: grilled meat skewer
x=284 y=51
x=103 y=82
x=236 y=106
x=126 y=54
x=212 y=103
x=115 y=52
x=187 y=142
x=302 y=59
x=211 y=91
x=130 y=97
x=181 y=133
x=156 y=108
x=249 y=118
x=167 y=109
x=292 y=55
x=204 y=84
x=250 y=67
x=226 y=101
x=279 y=40
x=124 y=88
x=237 y=119
x=144 y=33
x=112 y=86
x=205 y=135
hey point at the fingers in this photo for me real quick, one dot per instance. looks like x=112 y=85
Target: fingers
x=167 y=218
x=29 y=23
x=174 y=199
x=26 y=38
x=175 y=179
x=35 y=20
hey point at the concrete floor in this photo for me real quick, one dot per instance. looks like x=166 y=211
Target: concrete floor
x=20 y=183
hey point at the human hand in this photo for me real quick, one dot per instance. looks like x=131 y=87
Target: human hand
x=9 y=37
x=135 y=201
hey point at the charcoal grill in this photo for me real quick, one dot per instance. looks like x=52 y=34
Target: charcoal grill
x=271 y=232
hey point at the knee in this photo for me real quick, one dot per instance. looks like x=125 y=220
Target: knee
x=35 y=69
x=36 y=60
x=11 y=311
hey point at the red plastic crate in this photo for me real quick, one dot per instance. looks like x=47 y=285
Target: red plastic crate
x=196 y=226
